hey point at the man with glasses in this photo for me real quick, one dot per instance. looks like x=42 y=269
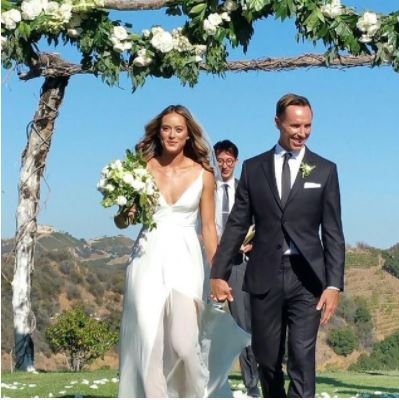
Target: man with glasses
x=227 y=159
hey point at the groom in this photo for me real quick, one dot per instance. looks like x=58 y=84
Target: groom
x=293 y=273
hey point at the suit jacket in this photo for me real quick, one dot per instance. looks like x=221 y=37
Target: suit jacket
x=313 y=205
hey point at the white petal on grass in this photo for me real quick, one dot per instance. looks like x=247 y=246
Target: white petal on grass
x=32 y=385
x=68 y=386
x=50 y=395
x=377 y=392
x=73 y=382
x=115 y=380
x=62 y=392
x=85 y=382
x=93 y=387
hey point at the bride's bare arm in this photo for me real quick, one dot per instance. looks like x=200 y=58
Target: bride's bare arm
x=207 y=207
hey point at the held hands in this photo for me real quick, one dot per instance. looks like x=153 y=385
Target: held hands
x=246 y=248
x=220 y=290
x=328 y=301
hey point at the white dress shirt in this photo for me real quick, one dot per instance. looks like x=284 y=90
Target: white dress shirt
x=231 y=189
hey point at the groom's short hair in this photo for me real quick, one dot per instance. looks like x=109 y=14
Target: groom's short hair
x=227 y=146
x=291 y=99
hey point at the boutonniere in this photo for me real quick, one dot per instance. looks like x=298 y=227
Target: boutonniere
x=306 y=169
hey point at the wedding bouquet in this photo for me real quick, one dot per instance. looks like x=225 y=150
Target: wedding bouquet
x=249 y=236
x=128 y=183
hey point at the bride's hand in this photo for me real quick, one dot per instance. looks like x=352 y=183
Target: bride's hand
x=126 y=217
x=131 y=214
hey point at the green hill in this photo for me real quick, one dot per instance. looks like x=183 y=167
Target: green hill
x=70 y=270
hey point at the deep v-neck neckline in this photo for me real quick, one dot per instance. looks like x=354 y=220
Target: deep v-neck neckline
x=182 y=194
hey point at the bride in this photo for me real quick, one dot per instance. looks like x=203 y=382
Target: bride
x=160 y=350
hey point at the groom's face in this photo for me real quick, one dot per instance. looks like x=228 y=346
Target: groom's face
x=295 y=125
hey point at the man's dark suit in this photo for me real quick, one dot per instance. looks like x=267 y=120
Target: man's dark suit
x=285 y=290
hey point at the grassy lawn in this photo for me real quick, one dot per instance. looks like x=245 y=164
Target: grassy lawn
x=103 y=383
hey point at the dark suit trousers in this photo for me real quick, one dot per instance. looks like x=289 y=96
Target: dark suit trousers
x=289 y=306
x=241 y=312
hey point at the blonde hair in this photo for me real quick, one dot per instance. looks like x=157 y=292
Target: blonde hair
x=195 y=148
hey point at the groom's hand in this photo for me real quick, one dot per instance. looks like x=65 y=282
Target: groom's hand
x=328 y=301
x=220 y=290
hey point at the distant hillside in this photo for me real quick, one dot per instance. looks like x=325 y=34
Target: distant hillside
x=91 y=272
x=67 y=270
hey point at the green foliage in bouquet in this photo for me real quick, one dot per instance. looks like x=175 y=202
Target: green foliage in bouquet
x=128 y=183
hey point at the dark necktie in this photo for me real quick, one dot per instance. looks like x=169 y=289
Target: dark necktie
x=285 y=191
x=225 y=205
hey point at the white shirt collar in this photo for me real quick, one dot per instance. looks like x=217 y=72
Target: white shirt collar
x=230 y=182
x=280 y=151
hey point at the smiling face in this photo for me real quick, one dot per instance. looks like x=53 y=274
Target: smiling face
x=226 y=162
x=295 y=125
x=173 y=133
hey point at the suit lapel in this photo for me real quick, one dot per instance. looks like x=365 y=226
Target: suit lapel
x=268 y=169
x=298 y=184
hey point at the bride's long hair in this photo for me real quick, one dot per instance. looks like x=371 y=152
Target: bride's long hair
x=196 y=148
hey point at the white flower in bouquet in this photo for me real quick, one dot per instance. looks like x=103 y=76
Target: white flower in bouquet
x=101 y=184
x=11 y=18
x=138 y=184
x=127 y=183
x=117 y=164
x=149 y=188
x=141 y=172
x=162 y=41
x=128 y=178
x=146 y=33
x=121 y=200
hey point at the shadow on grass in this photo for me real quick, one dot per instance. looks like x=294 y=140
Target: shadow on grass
x=358 y=388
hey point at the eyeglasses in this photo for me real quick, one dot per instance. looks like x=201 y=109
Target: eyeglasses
x=229 y=161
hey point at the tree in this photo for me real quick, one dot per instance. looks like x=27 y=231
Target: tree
x=80 y=337
x=383 y=357
x=342 y=340
x=109 y=48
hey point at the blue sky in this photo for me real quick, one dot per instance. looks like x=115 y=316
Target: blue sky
x=355 y=125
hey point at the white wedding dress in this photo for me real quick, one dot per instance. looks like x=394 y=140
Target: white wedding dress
x=172 y=344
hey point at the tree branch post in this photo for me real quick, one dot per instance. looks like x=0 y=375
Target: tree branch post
x=32 y=167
